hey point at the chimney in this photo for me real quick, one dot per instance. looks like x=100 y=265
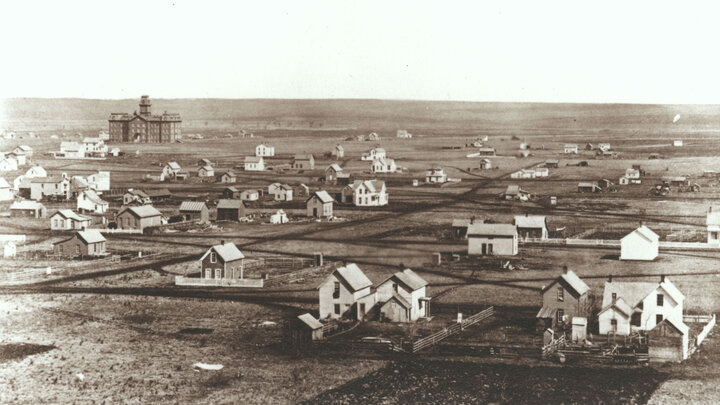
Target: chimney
x=662 y=278
x=222 y=241
x=565 y=269
x=610 y=278
x=472 y=219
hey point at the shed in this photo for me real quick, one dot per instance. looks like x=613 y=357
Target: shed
x=668 y=341
x=320 y=204
x=640 y=244
x=230 y=210
x=579 y=329
x=194 y=211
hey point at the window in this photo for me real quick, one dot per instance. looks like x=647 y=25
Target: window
x=395 y=288
x=213 y=257
x=658 y=318
x=337 y=309
x=362 y=308
x=560 y=314
x=660 y=300
x=336 y=290
x=614 y=297
x=635 y=319
x=560 y=294
x=613 y=323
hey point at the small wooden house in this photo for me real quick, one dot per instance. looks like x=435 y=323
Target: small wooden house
x=231 y=192
x=669 y=341
x=588 y=187
x=303 y=162
x=331 y=173
x=83 y=243
x=492 y=239
x=138 y=217
x=640 y=244
x=194 y=211
x=227 y=177
x=563 y=299
x=65 y=220
x=206 y=171
x=28 y=209
x=320 y=205
x=230 y=210
x=531 y=226
x=223 y=261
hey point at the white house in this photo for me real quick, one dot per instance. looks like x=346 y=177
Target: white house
x=604 y=147
x=492 y=239
x=639 y=306
x=523 y=174
x=72 y=150
x=435 y=175
x=264 y=150
x=36 y=171
x=89 y=201
x=95 y=147
x=571 y=148
x=383 y=165
x=206 y=171
x=632 y=173
x=531 y=226
x=6 y=192
x=99 y=181
x=171 y=169
x=346 y=292
x=65 y=219
x=8 y=164
x=678 y=142
x=23 y=150
x=401 y=133
x=640 y=244
x=374 y=153
x=369 y=193
x=713 y=226
x=250 y=195
x=402 y=297
x=254 y=163
x=19 y=157
x=542 y=172
x=283 y=193
x=280 y=217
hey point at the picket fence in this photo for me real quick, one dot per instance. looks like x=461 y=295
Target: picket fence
x=451 y=330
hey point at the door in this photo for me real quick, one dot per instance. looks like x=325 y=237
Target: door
x=490 y=248
x=315 y=212
x=362 y=309
x=484 y=249
x=208 y=273
x=218 y=274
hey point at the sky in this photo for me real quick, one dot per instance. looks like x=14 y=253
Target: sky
x=534 y=51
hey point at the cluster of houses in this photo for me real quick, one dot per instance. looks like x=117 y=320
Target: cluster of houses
x=16 y=158
x=654 y=309
x=87 y=149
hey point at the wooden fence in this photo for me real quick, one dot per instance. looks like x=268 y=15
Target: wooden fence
x=451 y=330
x=614 y=243
x=218 y=282
x=706 y=330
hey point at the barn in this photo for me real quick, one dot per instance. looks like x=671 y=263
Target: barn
x=230 y=210
x=194 y=211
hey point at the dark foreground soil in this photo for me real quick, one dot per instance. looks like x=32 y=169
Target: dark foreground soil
x=442 y=382
x=17 y=351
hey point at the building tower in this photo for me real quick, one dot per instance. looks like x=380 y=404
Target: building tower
x=145 y=105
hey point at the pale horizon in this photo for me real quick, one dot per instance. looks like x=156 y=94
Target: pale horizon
x=519 y=52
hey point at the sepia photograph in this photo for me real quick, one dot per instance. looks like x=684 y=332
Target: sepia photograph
x=339 y=202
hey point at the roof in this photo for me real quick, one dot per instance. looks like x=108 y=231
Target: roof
x=512 y=189
x=207 y=168
x=138 y=193
x=399 y=299
x=335 y=167
x=530 y=221
x=206 y=161
x=410 y=279
x=545 y=312
x=372 y=185
x=304 y=156
x=492 y=229
x=323 y=196
x=232 y=188
x=142 y=211
x=94 y=197
x=70 y=146
x=579 y=320
x=174 y=165
x=678 y=324
x=646 y=233
x=587 y=184
x=253 y=159
x=91 y=140
x=91 y=236
x=229 y=173
x=4 y=183
x=230 y=204
x=310 y=321
x=573 y=281
x=486 y=149
x=70 y=214
x=25 y=148
x=192 y=206
x=353 y=276
x=620 y=305
x=50 y=179
x=379 y=150
x=632 y=292
x=78 y=182
x=26 y=205
x=227 y=252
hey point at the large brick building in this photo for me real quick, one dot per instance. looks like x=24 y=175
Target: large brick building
x=144 y=127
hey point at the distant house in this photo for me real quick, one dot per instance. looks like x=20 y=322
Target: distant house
x=23 y=150
x=632 y=173
x=136 y=197
x=230 y=210
x=604 y=147
x=564 y=299
x=36 y=171
x=523 y=174
x=227 y=177
x=115 y=152
x=523 y=146
x=369 y=193
x=347 y=292
x=71 y=150
x=552 y=163
x=83 y=243
x=158 y=194
x=231 y=192
x=486 y=151
x=138 y=217
x=206 y=171
x=264 y=150
x=303 y=162
x=640 y=244
x=194 y=211
x=492 y=239
x=250 y=195
x=224 y=261
x=8 y=164
x=589 y=146
x=604 y=184
x=531 y=226
x=343 y=179
x=320 y=205
x=254 y=164
x=373 y=137
x=435 y=175
x=588 y=187
x=171 y=169
x=302 y=190
x=460 y=227
x=712 y=222
x=283 y=192
x=205 y=162
x=524 y=153
x=332 y=172
x=20 y=158
x=25 y=208
x=541 y=172
x=65 y=220
x=99 y=181
x=280 y=217
x=6 y=192
x=9 y=250
x=678 y=142
x=303 y=330
x=54 y=187
x=94 y=147
x=571 y=148
x=404 y=134
x=339 y=151
x=374 y=153
x=90 y=201
x=514 y=192
x=485 y=164
x=628 y=307
x=383 y=165
x=403 y=297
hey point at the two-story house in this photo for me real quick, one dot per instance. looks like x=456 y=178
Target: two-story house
x=53 y=187
x=374 y=153
x=563 y=299
x=90 y=201
x=347 y=292
x=264 y=150
x=383 y=165
x=402 y=297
